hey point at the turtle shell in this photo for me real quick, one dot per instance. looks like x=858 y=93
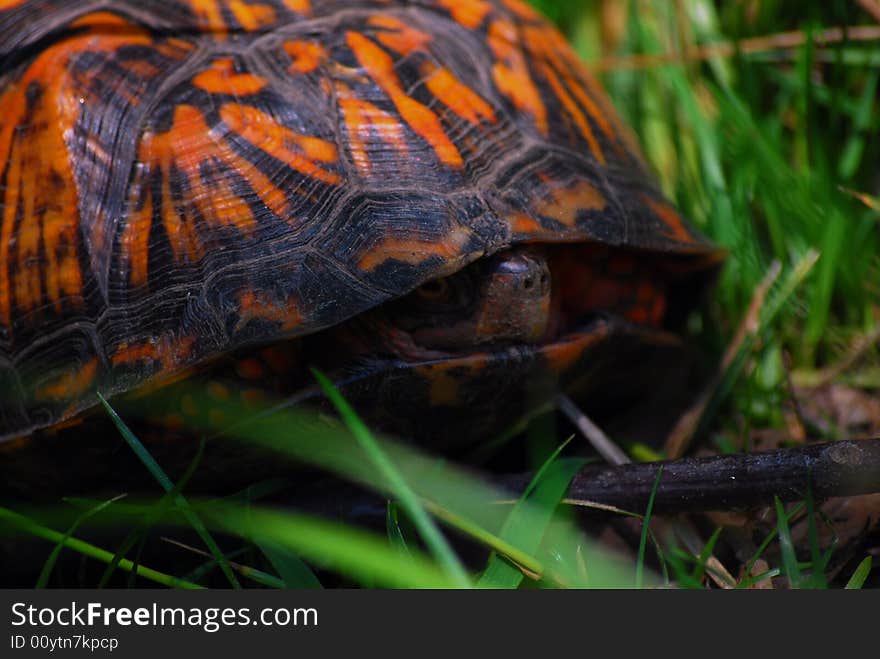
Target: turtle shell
x=179 y=178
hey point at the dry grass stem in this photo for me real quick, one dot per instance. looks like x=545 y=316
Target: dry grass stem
x=779 y=41
x=610 y=451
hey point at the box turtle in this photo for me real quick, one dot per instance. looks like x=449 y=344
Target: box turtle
x=432 y=201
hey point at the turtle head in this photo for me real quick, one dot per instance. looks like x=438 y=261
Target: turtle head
x=501 y=299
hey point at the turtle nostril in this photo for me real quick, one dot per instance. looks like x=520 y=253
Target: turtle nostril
x=528 y=283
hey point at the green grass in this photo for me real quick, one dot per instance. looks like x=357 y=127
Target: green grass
x=172 y=491
x=389 y=473
x=465 y=504
x=771 y=153
x=760 y=151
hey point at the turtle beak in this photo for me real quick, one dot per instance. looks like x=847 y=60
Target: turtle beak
x=515 y=299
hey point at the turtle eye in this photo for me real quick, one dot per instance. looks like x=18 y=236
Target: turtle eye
x=434 y=290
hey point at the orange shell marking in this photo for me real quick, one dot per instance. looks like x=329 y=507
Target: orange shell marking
x=399 y=36
x=306 y=55
x=547 y=44
x=169 y=352
x=252 y=17
x=522 y=10
x=42 y=263
x=221 y=78
x=212 y=14
x=469 y=14
x=563 y=204
x=413 y=251
x=511 y=73
x=253 y=306
x=457 y=96
x=441 y=82
x=71 y=385
x=380 y=66
x=362 y=120
x=671 y=219
x=294 y=149
x=303 y=7
x=184 y=146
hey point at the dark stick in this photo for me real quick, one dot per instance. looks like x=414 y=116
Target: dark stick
x=725 y=482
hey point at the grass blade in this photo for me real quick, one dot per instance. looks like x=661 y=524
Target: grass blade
x=786 y=546
x=293 y=571
x=409 y=501
x=163 y=480
x=43 y=579
x=26 y=524
x=352 y=552
x=150 y=517
x=700 y=568
x=819 y=562
x=394 y=528
x=255 y=575
x=643 y=540
x=860 y=575
x=545 y=491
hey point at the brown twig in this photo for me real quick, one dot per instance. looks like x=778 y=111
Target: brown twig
x=724 y=482
x=780 y=41
x=843 y=468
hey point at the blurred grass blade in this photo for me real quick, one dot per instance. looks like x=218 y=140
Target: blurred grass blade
x=43 y=579
x=364 y=556
x=409 y=501
x=163 y=480
x=462 y=499
x=293 y=571
x=775 y=302
x=152 y=515
x=393 y=526
x=646 y=523
x=86 y=549
x=786 y=546
x=854 y=149
x=523 y=560
x=860 y=574
x=700 y=568
x=819 y=561
x=545 y=491
x=765 y=543
x=679 y=560
x=246 y=571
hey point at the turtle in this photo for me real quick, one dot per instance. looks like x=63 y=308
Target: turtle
x=431 y=201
